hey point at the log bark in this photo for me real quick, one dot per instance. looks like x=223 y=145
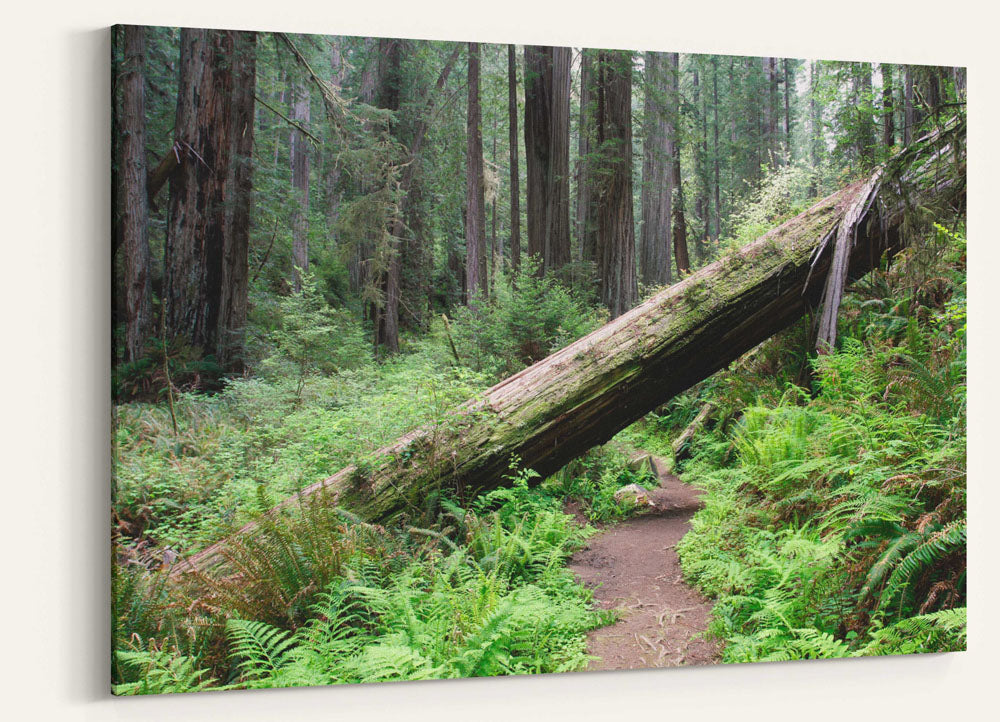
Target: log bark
x=584 y=394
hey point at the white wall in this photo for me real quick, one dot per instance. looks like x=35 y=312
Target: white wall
x=54 y=367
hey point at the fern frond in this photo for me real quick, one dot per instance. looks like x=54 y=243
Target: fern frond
x=260 y=648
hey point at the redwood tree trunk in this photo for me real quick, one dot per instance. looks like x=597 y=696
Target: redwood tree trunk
x=475 y=208
x=586 y=221
x=909 y=110
x=546 y=141
x=615 y=225
x=235 y=267
x=715 y=147
x=787 y=72
x=515 y=173
x=299 y=157
x=655 y=197
x=386 y=314
x=888 y=108
x=868 y=130
x=207 y=245
x=135 y=214
x=678 y=224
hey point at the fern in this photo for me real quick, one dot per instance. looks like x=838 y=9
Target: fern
x=260 y=648
x=933 y=547
x=160 y=671
x=943 y=631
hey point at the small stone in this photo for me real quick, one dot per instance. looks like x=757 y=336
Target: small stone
x=635 y=493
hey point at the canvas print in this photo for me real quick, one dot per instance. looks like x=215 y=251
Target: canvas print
x=443 y=359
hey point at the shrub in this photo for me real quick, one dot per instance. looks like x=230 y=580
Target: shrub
x=522 y=323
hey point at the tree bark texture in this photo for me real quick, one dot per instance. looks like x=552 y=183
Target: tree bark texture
x=546 y=141
x=909 y=109
x=868 y=133
x=615 y=223
x=515 y=173
x=135 y=213
x=888 y=107
x=657 y=175
x=388 y=97
x=703 y=204
x=715 y=147
x=787 y=72
x=678 y=225
x=206 y=259
x=475 y=207
x=299 y=158
x=586 y=220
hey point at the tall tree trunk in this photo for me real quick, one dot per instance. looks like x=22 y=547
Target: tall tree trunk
x=773 y=101
x=678 y=224
x=359 y=264
x=386 y=313
x=390 y=89
x=134 y=221
x=586 y=219
x=515 y=173
x=299 y=158
x=715 y=150
x=867 y=120
x=207 y=244
x=704 y=203
x=475 y=209
x=657 y=174
x=815 y=128
x=496 y=245
x=338 y=69
x=236 y=254
x=546 y=140
x=888 y=109
x=909 y=109
x=933 y=81
x=960 y=75
x=787 y=70
x=615 y=224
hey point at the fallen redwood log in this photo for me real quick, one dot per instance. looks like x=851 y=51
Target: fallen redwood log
x=584 y=394
x=681 y=444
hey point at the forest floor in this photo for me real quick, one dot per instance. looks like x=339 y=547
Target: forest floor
x=633 y=567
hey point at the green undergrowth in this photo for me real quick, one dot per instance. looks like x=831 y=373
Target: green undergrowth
x=260 y=440
x=321 y=597
x=835 y=520
x=317 y=595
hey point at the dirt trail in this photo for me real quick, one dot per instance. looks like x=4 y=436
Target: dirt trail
x=633 y=567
